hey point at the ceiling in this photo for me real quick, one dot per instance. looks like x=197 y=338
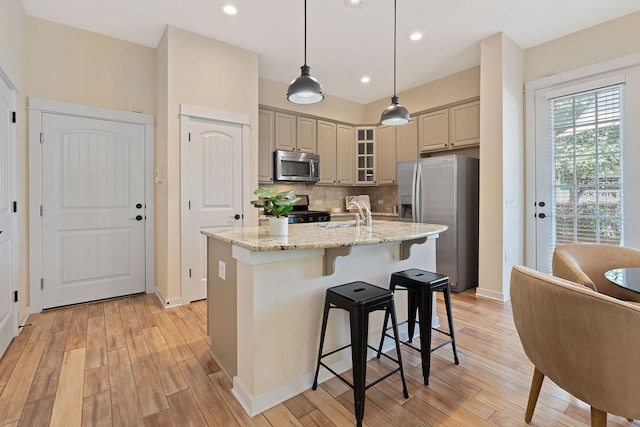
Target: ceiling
x=343 y=43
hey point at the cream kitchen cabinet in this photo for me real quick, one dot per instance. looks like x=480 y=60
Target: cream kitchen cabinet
x=345 y=160
x=306 y=137
x=464 y=124
x=365 y=155
x=450 y=128
x=386 y=165
x=327 y=149
x=265 y=146
x=433 y=131
x=407 y=141
x=285 y=131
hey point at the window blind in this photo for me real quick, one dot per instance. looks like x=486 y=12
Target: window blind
x=586 y=143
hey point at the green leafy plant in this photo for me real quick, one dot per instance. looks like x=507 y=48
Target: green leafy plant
x=274 y=202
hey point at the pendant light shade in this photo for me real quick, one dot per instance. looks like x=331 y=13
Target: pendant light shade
x=395 y=114
x=306 y=89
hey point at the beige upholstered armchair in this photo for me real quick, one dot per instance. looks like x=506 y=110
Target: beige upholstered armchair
x=585 y=342
x=586 y=263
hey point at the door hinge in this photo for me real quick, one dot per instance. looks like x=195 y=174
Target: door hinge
x=13 y=117
x=189 y=273
x=15 y=206
x=41 y=284
x=15 y=296
x=189 y=136
x=41 y=138
x=189 y=204
x=41 y=209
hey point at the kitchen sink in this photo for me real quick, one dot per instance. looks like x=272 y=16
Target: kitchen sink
x=336 y=224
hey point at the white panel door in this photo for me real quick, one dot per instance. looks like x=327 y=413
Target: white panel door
x=212 y=192
x=93 y=209
x=8 y=258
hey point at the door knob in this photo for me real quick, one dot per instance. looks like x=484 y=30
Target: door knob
x=138 y=205
x=542 y=215
x=137 y=218
x=237 y=216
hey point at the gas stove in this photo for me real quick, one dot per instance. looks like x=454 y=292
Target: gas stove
x=301 y=213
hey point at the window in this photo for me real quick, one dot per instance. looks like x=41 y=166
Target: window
x=586 y=143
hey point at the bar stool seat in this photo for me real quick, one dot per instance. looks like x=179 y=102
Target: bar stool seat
x=421 y=285
x=360 y=299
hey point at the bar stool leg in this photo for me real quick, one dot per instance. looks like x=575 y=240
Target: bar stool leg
x=412 y=305
x=424 y=307
x=359 y=333
x=384 y=332
x=394 y=324
x=447 y=303
x=325 y=316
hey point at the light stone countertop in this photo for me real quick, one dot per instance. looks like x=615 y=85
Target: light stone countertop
x=313 y=236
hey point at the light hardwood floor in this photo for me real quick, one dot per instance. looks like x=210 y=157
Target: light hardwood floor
x=130 y=362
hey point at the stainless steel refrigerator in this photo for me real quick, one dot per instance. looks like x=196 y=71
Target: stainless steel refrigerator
x=444 y=190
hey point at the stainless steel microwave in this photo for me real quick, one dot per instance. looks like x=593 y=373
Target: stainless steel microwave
x=295 y=166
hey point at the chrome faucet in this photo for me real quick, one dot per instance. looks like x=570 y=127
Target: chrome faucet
x=366 y=219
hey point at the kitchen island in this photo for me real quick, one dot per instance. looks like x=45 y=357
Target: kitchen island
x=266 y=294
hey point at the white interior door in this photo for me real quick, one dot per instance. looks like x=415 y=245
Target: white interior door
x=587 y=163
x=211 y=193
x=8 y=229
x=93 y=209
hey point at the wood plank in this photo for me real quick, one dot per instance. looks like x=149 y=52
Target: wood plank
x=145 y=317
x=37 y=413
x=331 y=408
x=95 y=309
x=45 y=381
x=280 y=416
x=212 y=405
x=96 y=381
x=125 y=410
x=186 y=413
x=77 y=337
x=154 y=304
x=114 y=331
x=62 y=321
x=168 y=370
x=299 y=406
x=173 y=337
x=12 y=354
x=223 y=385
x=317 y=419
x=16 y=390
x=43 y=326
x=96 y=410
x=130 y=323
x=96 y=349
x=67 y=406
x=150 y=392
x=200 y=349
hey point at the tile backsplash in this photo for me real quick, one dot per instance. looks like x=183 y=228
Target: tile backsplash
x=323 y=197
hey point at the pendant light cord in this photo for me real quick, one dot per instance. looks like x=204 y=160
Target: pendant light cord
x=395 y=22
x=305 y=32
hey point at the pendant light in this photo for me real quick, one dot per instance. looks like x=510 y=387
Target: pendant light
x=306 y=89
x=395 y=114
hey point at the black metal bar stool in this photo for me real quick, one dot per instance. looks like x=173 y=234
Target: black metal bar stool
x=421 y=285
x=360 y=299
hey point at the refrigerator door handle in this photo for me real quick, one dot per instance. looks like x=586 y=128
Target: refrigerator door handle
x=414 y=176
x=418 y=193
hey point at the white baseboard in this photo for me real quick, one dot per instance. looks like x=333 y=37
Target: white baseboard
x=168 y=303
x=485 y=293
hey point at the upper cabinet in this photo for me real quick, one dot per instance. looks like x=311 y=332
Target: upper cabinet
x=449 y=128
x=365 y=156
x=306 y=135
x=345 y=161
x=285 y=131
x=464 y=124
x=327 y=149
x=386 y=167
x=265 y=146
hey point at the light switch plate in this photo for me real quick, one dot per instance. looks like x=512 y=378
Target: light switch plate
x=222 y=270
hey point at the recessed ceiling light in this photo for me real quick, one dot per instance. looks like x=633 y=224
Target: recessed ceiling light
x=229 y=9
x=415 y=36
x=353 y=3
x=365 y=79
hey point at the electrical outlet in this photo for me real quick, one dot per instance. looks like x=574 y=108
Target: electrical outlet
x=318 y=202
x=222 y=270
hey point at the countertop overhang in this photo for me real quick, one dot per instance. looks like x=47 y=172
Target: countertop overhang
x=314 y=236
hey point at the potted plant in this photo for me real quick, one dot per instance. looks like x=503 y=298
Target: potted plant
x=277 y=204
